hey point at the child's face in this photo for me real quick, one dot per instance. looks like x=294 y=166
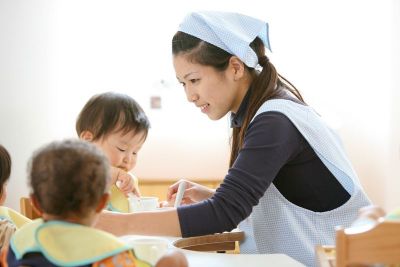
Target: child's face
x=122 y=149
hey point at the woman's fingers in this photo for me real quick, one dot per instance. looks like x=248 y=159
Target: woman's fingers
x=172 y=189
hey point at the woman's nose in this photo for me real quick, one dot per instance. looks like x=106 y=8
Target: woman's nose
x=192 y=96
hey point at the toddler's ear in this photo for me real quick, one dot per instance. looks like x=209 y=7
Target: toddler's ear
x=103 y=202
x=35 y=205
x=86 y=135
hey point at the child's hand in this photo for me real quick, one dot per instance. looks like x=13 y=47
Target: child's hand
x=125 y=181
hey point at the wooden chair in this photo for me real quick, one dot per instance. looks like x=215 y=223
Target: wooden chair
x=27 y=209
x=363 y=246
x=224 y=242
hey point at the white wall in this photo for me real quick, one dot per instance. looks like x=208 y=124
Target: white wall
x=392 y=187
x=54 y=55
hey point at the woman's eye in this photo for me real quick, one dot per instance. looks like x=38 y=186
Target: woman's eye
x=120 y=149
x=194 y=80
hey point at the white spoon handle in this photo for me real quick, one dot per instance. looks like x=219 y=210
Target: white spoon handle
x=179 y=194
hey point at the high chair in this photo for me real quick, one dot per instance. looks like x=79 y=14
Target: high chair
x=224 y=242
x=27 y=209
x=355 y=246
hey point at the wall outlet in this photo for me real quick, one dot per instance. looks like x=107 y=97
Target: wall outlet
x=155 y=102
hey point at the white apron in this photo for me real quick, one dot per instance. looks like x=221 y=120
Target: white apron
x=278 y=226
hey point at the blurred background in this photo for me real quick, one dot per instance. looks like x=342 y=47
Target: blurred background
x=54 y=55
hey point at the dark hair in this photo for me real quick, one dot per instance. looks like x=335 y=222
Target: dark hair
x=69 y=177
x=112 y=112
x=266 y=85
x=5 y=167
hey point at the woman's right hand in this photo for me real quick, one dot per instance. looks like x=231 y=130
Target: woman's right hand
x=193 y=193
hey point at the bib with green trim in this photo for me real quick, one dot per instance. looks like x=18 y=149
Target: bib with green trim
x=394 y=215
x=13 y=216
x=68 y=244
x=118 y=201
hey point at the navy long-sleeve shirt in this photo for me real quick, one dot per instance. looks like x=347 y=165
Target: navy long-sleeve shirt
x=275 y=152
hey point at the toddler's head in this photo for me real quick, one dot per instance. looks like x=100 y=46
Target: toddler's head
x=69 y=180
x=117 y=125
x=5 y=171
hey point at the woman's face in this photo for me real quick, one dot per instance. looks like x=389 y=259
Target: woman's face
x=214 y=93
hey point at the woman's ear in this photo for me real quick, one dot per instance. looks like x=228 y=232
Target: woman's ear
x=86 y=135
x=103 y=202
x=237 y=67
x=35 y=205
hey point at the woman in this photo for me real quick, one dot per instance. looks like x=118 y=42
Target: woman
x=288 y=172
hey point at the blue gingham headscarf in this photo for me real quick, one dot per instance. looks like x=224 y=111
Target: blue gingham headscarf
x=232 y=32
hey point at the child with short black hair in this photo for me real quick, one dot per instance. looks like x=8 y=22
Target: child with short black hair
x=10 y=220
x=69 y=182
x=117 y=125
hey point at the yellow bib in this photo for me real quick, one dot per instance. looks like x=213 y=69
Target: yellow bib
x=23 y=241
x=67 y=244
x=118 y=201
x=394 y=215
x=15 y=217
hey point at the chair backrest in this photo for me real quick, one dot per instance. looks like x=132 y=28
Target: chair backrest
x=27 y=209
x=223 y=242
x=379 y=243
